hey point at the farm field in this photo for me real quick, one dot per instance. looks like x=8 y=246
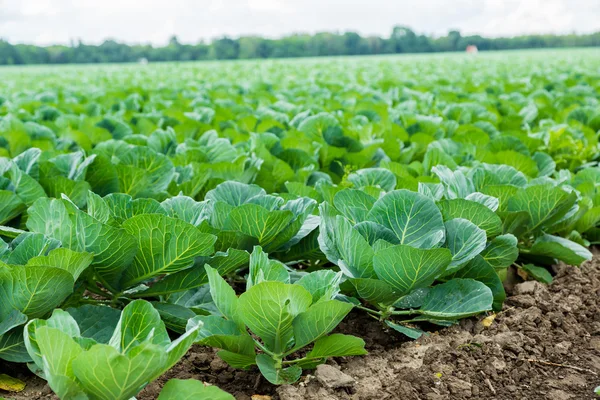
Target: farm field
x=335 y=228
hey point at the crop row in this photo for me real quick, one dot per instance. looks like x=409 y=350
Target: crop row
x=242 y=219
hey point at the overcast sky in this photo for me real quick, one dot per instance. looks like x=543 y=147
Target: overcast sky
x=154 y=21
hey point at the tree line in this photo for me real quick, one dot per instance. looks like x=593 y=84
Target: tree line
x=401 y=40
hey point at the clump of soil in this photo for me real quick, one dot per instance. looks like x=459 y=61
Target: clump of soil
x=545 y=344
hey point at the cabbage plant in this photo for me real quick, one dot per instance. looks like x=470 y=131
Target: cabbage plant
x=405 y=258
x=88 y=354
x=36 y=275
x=274 y=319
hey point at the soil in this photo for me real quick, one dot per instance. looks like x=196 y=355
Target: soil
x=544 y=344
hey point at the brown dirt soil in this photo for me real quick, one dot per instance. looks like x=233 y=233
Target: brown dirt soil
x=544 y=344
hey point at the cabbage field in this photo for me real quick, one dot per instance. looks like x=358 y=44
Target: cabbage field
x=252 y=206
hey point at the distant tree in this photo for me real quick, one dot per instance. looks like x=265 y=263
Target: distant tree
x=404 y=40
x=401 y=40
x=251 y=47
x=226 y=49
x=173 y=41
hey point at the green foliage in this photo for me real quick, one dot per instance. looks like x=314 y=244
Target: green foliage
x=386 y=274
x=284 y=317
x=79 y=367
x=245 y=215
x=178 y=389
x=255 y=207
x=35 y=277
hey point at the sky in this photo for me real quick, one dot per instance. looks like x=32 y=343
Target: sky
x=45 y=22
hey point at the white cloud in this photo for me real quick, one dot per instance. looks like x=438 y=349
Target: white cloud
x=154 y=21
x=507 y=17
